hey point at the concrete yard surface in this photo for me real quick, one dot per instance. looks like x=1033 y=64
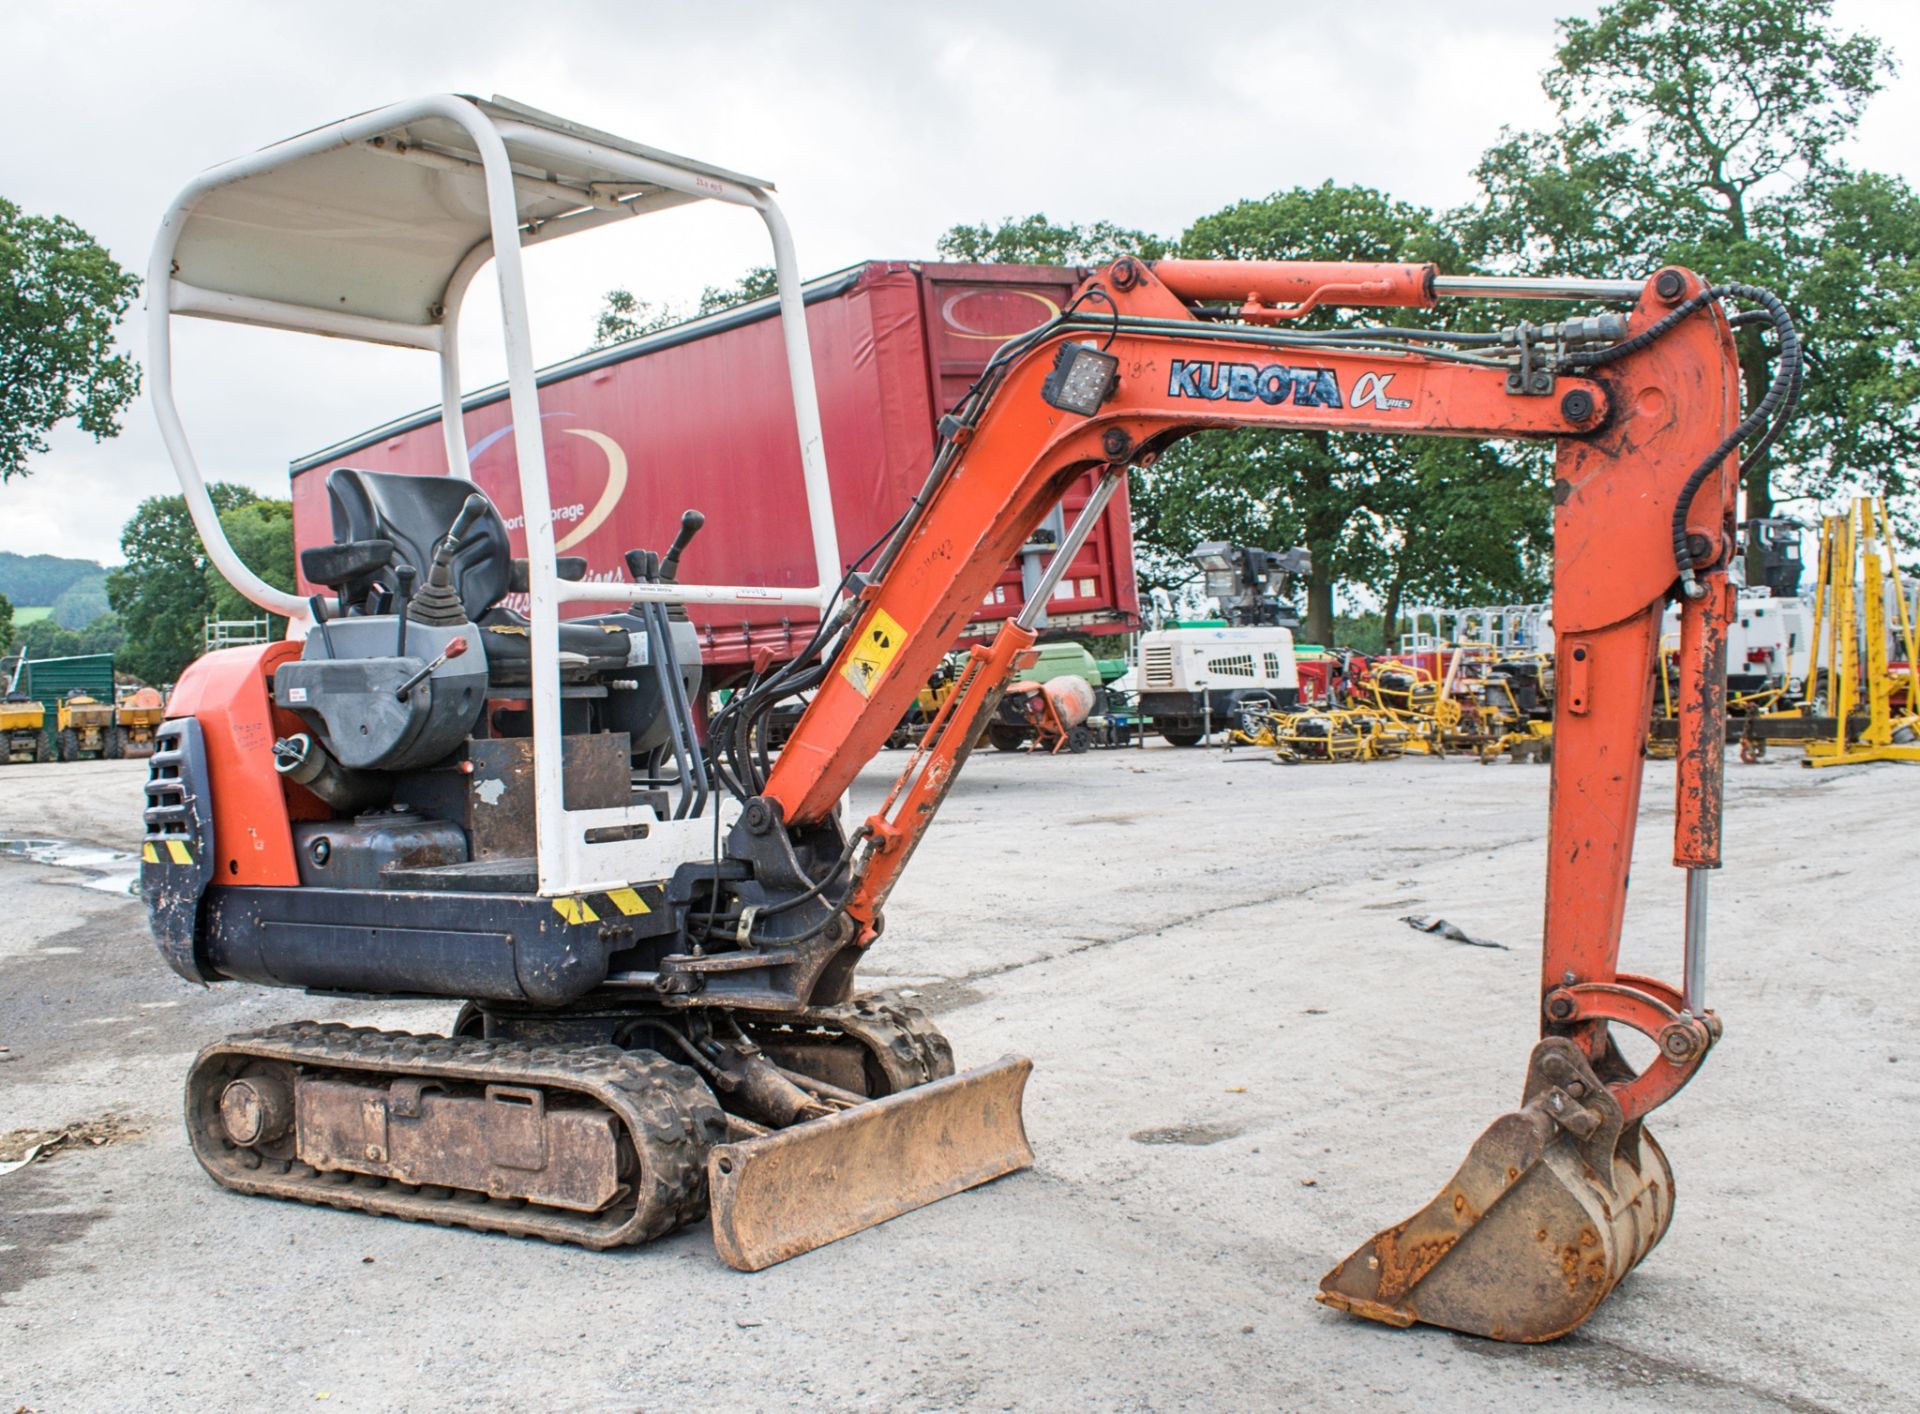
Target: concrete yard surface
x=1245 y=1065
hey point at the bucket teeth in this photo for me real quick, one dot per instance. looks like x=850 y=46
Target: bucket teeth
x=1550 y=1210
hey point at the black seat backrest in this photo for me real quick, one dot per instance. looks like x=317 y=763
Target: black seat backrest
x=414 y=512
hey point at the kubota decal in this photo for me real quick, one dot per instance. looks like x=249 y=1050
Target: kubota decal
x=1244 y=382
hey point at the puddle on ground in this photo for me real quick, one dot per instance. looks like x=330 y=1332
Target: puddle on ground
x=110 y=871
x=1196 y=1134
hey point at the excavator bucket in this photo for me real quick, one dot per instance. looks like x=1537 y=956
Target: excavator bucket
x=788 y=1192
x=1554 y=1205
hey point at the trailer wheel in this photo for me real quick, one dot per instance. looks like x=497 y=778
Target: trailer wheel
x=69 y=745
x=1180 y=738
x=1079 y=740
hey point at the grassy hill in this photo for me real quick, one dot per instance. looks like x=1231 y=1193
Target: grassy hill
x=71 y=591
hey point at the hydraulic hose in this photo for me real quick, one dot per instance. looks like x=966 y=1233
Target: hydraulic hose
x=1772 y=413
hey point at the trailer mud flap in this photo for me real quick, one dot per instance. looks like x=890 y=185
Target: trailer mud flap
x=785 y=1193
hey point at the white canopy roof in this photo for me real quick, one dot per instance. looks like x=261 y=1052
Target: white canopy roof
x=376 y=223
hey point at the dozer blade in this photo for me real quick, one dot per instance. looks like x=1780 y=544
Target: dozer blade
x=781 y=1194
x=1554 y=1205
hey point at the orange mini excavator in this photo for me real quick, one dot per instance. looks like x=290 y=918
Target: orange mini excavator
x=655 y=924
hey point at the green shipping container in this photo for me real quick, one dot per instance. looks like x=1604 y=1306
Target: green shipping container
x=51 y=679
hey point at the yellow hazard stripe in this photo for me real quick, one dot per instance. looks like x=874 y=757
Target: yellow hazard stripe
x=575 y=910
x=179 y=852
x=627 y=901
x=147 y=855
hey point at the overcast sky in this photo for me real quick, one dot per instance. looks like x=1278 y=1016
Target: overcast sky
x=882 y=125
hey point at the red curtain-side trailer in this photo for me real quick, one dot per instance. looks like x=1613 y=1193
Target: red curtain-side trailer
x=700 y=416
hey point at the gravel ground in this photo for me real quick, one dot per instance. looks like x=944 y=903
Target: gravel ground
x=1245 y=1065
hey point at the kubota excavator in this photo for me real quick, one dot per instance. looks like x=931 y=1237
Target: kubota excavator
x=655 y=925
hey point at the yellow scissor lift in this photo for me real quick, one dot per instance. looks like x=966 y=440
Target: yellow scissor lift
x=1853 y=613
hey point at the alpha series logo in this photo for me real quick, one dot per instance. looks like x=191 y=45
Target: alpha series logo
x=1276 y=383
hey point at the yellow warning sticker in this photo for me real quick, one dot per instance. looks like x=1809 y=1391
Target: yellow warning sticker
x=878 y=641
x=575 y=910
x=627 y=901
x=179 y=852
x=147 y=855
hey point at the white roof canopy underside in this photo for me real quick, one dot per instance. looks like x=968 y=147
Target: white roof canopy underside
x=375 y=226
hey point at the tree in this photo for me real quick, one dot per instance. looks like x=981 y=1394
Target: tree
x=6 y=624
x=61 y=299
x=1706 y=132
x=261 y=533
x=1399 y=518
x=1034 y=240
x=39 y=580
x=44 y=638
x=81 y=602
x=757 y=283
x=624 y=315
x=103 y=635
x=161 y=592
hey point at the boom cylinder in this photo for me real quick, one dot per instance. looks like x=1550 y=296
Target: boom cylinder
x=1300 y=281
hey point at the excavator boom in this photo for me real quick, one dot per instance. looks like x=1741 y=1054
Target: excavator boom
x=1561 y=1198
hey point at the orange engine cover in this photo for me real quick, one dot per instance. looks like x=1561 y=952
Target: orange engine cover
x=227 y=693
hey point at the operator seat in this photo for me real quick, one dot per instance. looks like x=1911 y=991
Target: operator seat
x=413 y=513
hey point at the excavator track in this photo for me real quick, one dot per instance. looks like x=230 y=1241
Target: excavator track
x=894 y=1046
x=587 y=1144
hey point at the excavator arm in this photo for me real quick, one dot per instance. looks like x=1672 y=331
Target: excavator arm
x=1561 y=1198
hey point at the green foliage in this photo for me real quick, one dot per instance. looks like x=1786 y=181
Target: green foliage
x=44 y=638
x=261 y=533
x=1399 y=518
x=624 y=315
x=758 y=283
x=81 y=602
x=41 y=579
x=61 y=299
x=1034 y=240
x=1706 y=133
x=103 y=635
x=6 y=624
x=161 y=592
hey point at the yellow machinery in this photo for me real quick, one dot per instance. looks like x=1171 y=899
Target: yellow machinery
x=23 y=722
x=86 y=727
x=1405 y=708
x=1321 y=734
x=138 y=712
x=1853 y=613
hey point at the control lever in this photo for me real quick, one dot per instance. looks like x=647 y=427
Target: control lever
x=436 y=602
x=690 y=523
x=404 y=576
x=455 y=647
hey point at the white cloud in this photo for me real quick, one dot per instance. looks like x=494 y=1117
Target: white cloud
x=882 y=123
